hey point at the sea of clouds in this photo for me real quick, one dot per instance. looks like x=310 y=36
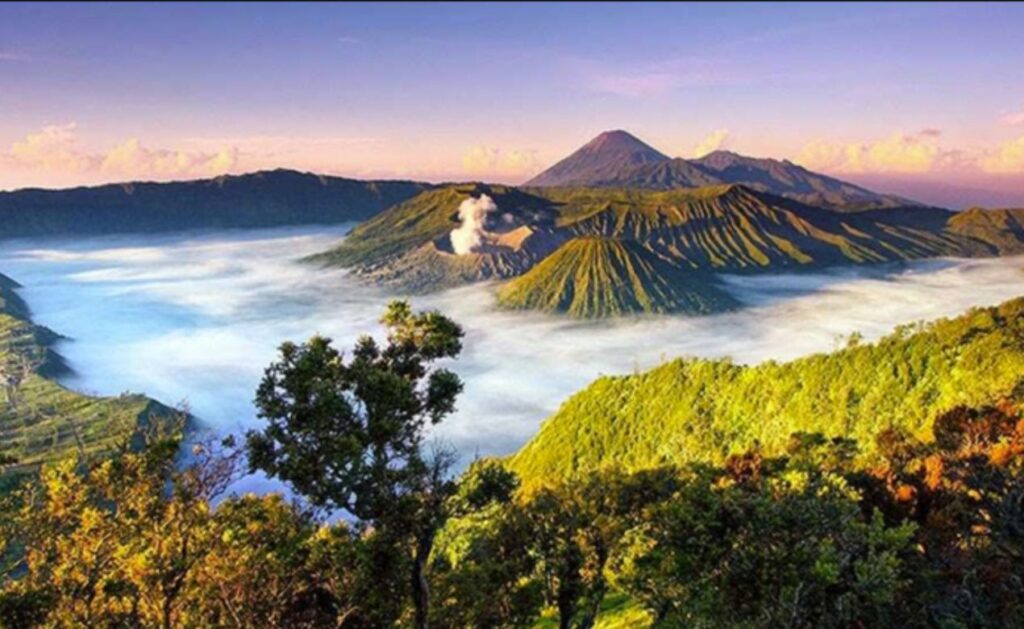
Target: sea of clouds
x=196 y=318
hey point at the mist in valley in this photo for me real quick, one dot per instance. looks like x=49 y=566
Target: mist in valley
x=196 y=318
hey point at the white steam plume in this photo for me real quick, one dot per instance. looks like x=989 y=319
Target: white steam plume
x=472 y=213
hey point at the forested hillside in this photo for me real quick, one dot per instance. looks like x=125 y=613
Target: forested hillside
x=697 y=410
x=916 y=523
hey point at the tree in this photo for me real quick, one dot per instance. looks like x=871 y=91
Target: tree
x=115 y=541
x=760 y=543
x=578 y=526
x=348 y=434
x=482 y=576
x=965 y=492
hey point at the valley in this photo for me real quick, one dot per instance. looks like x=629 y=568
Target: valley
x=617 y=315
x=42 y=421
x=195 y=318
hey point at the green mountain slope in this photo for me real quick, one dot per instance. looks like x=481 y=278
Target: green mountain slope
x=262 y=199
x=40 y=420
x=735 y=228
x=702 y=410
x=408 y=246
x=603 y=277
x=724 y=228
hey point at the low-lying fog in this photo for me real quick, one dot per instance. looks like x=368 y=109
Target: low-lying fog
x=196 y=318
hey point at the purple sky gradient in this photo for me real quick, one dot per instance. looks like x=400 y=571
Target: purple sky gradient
x=925 y=100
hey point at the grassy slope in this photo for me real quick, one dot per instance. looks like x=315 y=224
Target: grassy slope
x=603 y=277
x=40 y=420
x=702 y=410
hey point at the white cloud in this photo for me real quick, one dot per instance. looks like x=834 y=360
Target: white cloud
x=488 y=161
x=131 y=159
x=1006 y=159
x=913 y=154
x=56 y=149
x=713 y=142
x=907 y=153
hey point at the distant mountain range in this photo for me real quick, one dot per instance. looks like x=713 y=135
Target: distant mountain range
x=593 y=252
x=617 y=159
x=262 y=199
x=615 y=228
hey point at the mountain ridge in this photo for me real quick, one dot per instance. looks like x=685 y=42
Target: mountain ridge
x=697 y=231
x=269 y=198
x=687 y=234
x=660 y=172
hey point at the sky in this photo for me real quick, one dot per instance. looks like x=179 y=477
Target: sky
x=907 y=98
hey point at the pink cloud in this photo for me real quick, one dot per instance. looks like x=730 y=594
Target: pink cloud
x=1013 y=119
x=55 y=153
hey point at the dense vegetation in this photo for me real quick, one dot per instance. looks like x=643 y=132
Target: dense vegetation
x=41 y=421
x=263 y=199
x=696 y=232
x=696 y=410
x=931 y=534
x=877 y=486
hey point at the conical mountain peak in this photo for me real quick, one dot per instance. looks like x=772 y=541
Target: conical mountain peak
x=601 y=158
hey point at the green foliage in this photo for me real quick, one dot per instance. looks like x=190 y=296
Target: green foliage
x=132 y=540
x=751 y=547
x=704 y=410
x=349 y=435
x=486 y=481
x=481 y=572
